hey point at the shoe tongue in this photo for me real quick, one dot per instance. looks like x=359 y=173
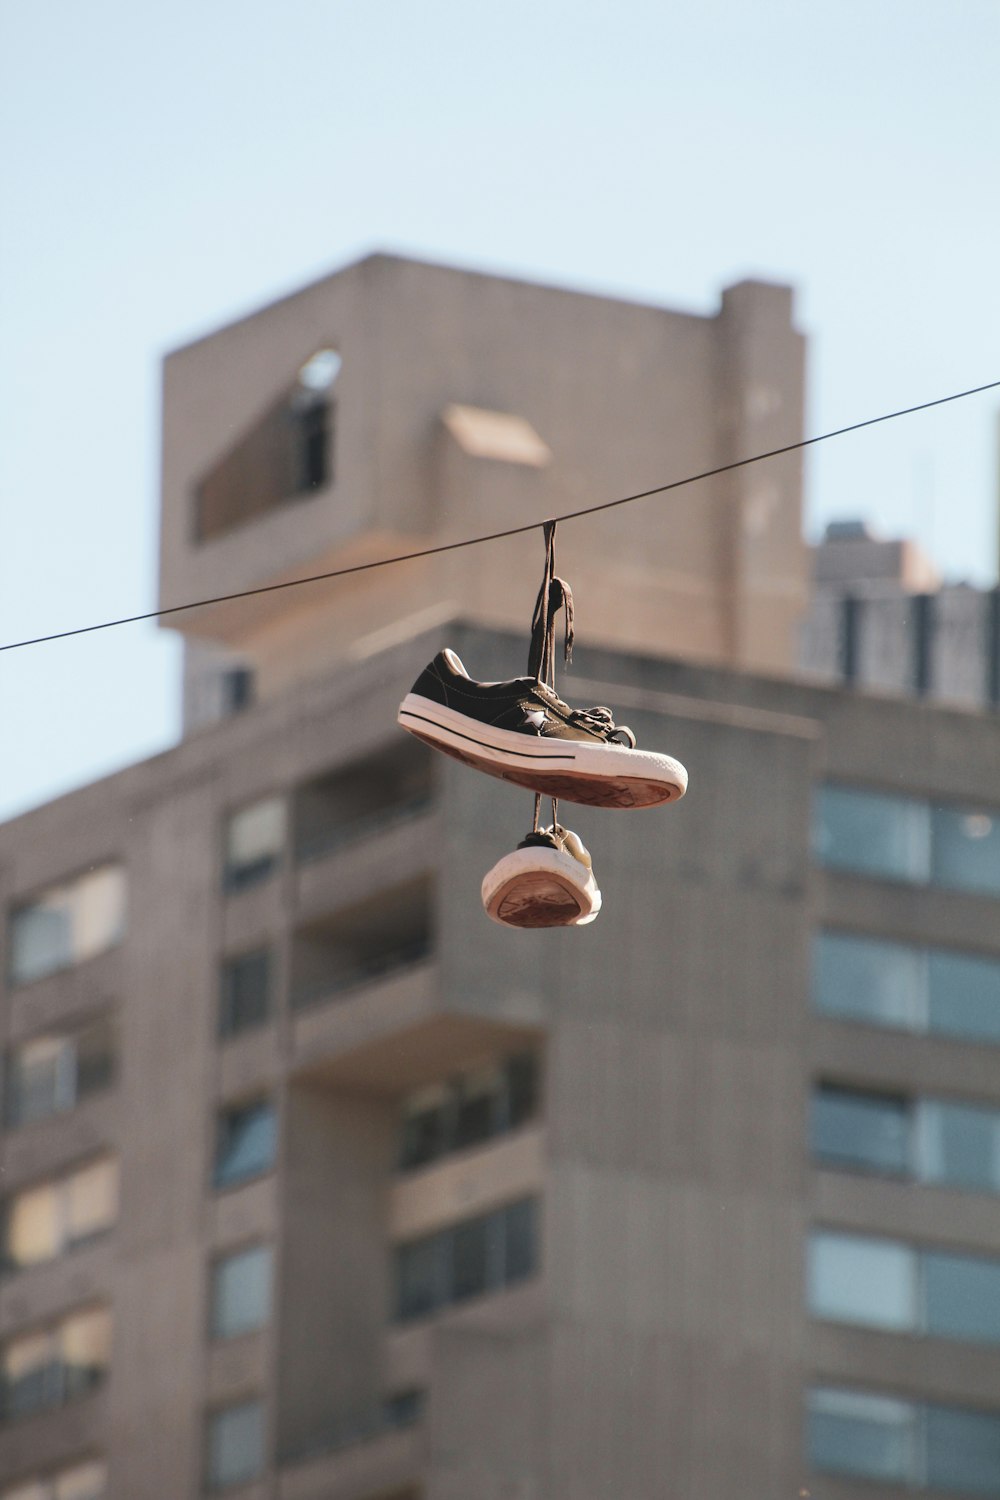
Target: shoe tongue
x=539 y=841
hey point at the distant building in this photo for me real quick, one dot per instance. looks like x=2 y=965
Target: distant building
x=318 y=1185
x=881 y=620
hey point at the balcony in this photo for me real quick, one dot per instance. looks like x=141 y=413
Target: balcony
x=378 y=1452
x=358 y=800
x=361 y=944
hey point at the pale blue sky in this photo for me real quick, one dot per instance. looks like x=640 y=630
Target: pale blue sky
x=163 y=168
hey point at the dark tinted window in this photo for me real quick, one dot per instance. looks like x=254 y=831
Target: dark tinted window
x=870 y=1132
x=246 y=992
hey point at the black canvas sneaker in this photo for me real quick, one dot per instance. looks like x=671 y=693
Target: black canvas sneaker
x=523 y=732
x=548 y=881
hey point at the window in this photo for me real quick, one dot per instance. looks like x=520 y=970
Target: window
x=47 y=1220
x=932 y=1140
x=961 y=1295
x=912 y=989
x=907 y=838
x=468 y=1110
x=958 y=1144
x=245 y=1000
x=246 y=1143
x=362 y=944
x=919 y=1446
x=966 y=849
x=235 y=1444
x=254 y=842
x=241 y=1292
x=873 y=834
x=66 y=924
x=864 y=979
x=869 y=1132
x=46 y=1369
x=465 y=1260
x=879 y=1283
x=287 y=452
x=52 y=1074
x=360 y=799
x=84 y=1481
x=870 y=1436
x=853 y=1279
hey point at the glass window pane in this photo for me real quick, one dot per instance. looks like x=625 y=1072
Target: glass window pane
x=520 y=1229
x=34 y=1226
x=872 y=833
x=470 y=1268
x=41 y=941
x=426 y=1131
x=963 y=1450
x=965 y=847
x=854 y=1279
x=91 y=1199
x=962 y=1296
x=870 y=1132
x=247 y=1141
x=67 y=924
x=863 y=979
x=870 y=1436
x=964 y=995
x=85 y=1346
x=246 y=989
x=254 y=840
x=959 y=1144
x=94 y=1059
x=42 y=1079
x=31 y=1374
x=420 y=1277
x=477 y=1108
x=236 y=1444
x=241 y=1292
x=98 y=906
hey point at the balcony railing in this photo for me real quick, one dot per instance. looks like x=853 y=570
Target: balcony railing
x=348 y=1430
x=316 y=843
x=363 y=971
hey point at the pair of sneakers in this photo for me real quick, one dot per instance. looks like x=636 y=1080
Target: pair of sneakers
x=524 y=733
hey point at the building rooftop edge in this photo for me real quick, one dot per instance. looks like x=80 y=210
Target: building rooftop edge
x=374 y=257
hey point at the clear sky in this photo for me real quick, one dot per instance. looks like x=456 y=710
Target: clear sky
x=164 y=168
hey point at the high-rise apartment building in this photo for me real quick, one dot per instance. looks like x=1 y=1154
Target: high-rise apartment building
x=320 y=1186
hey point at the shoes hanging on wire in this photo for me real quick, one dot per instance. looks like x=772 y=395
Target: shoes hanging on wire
x=523 y=732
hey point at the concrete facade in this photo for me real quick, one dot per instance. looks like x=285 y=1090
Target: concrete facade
x=663 y=1343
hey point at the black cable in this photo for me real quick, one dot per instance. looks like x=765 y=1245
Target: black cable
x=496 y=536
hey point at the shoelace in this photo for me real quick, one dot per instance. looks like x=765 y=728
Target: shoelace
x=599 y=719
x=554 y=595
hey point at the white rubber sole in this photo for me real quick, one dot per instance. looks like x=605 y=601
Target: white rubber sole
x=598 y=775
x=540 y=888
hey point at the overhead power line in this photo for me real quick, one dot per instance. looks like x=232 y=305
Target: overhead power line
x=496 y=536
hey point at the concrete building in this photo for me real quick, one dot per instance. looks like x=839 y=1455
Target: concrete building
x=319 y=1186
x=881 y=620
